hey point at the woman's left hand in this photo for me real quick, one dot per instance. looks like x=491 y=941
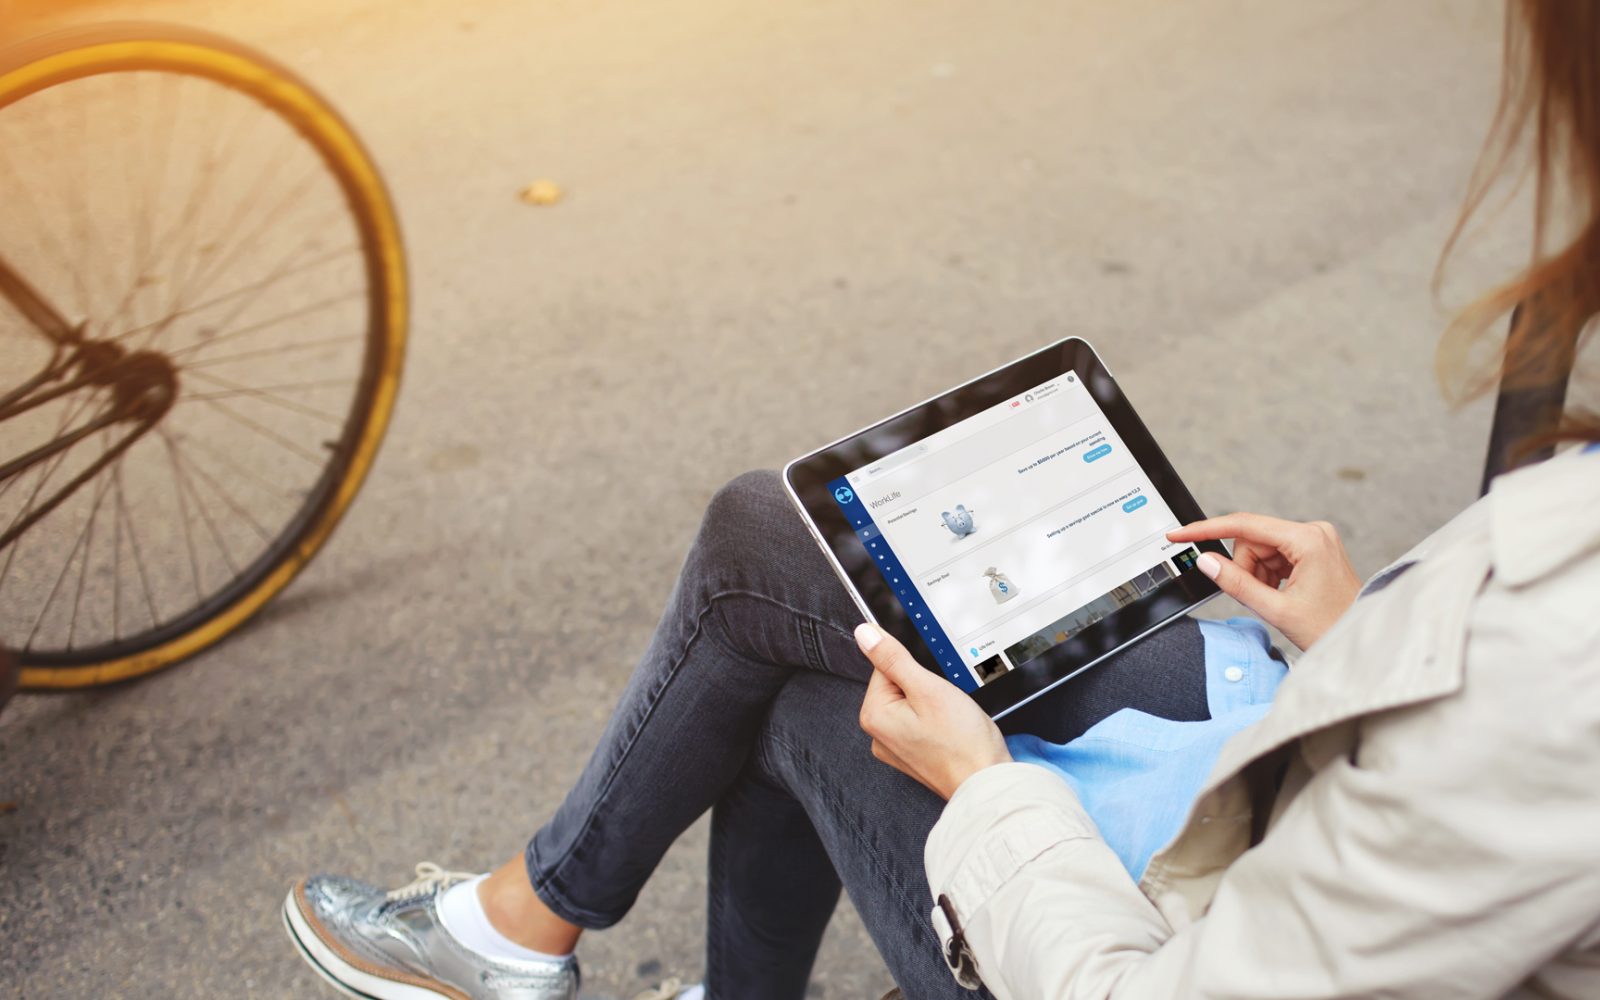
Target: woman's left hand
x=920 y=723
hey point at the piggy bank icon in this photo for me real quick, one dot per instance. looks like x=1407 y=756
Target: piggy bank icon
x=960 y=523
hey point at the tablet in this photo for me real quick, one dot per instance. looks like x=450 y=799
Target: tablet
x=1012 y=531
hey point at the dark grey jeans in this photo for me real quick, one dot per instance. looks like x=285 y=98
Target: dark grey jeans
x=745 y=703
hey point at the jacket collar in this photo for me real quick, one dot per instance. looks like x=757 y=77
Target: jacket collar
x=1539 y=519
x=1544 y=516
x=1341 y=680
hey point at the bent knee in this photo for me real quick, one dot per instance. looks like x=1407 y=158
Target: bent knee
x=751 y=529
x=748 y=493
x=747 y=508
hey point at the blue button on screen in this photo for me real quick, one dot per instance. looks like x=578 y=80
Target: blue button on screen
x=1134 y=504
x=1097 y=452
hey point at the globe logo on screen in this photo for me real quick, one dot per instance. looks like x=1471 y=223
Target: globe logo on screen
x=844 y=494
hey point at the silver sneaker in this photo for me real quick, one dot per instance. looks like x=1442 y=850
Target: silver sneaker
x=392 y=945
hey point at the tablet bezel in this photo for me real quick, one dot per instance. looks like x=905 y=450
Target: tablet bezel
x=806 y=480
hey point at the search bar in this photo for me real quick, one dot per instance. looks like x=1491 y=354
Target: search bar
x=956 y=433
x=894 y=461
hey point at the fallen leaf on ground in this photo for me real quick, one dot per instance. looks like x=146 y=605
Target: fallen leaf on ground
x=541 y=193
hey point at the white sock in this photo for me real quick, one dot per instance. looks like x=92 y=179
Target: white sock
x=696 y=992
x=462 y=915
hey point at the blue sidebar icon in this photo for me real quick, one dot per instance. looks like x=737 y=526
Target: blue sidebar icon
x=900 y=584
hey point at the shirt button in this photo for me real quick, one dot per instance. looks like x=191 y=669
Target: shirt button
x=1234 y=674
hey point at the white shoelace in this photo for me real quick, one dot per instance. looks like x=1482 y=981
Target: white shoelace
x=429 y=877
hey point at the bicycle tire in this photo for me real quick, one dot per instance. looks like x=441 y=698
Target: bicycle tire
x=36 y=64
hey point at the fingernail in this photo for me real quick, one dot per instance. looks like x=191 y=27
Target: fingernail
x=1209 y=564
x=867 y=636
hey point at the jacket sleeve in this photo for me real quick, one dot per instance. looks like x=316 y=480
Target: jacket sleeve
x=1435 y=874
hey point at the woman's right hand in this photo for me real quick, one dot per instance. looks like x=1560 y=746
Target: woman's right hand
x=1295 y=575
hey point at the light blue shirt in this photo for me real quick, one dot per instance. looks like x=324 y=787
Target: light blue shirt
x=1137 y=774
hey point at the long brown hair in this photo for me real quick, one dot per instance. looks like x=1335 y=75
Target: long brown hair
x=1551 y=88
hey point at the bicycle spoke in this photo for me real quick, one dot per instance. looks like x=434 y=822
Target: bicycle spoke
x=77 y=208
x=211 y=526
x=188 y=524
x=264 y=324
x=88 y=554
x=203 y=220
x=133 y=546
x=280 y=270
x=303 y=345
x=27 y=507
x=19 y=193
x=44 y=478
x=5 y=485
x=116 y=554
x=224 y=495
x=148 y=196
x=185 y=229
x=184 y=232
x=198 y=284
x=319 y=383
x=276 y=212
x=71 y=165
x=272 y=489
x=255 y=286
x=267 y=432
x=270 y=397
x=49 y=600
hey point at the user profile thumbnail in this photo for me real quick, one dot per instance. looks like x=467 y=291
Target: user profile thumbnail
x=1075 y=621
x=991 y=669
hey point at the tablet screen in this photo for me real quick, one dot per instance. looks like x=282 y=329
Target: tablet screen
x=1015 y=529
x=1015 y=525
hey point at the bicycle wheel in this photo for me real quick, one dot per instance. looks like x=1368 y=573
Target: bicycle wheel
x=203 y=307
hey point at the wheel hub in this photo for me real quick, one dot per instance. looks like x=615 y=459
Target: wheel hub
x=143 y=384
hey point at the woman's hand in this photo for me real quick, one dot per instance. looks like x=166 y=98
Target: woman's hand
x=920 y=723
x=1306 y=560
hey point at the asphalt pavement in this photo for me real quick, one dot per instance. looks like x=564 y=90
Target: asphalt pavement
x=779 y=222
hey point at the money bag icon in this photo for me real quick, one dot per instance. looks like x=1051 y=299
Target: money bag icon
x=1000 y=586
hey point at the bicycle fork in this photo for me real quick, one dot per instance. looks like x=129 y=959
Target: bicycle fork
x=142 y=387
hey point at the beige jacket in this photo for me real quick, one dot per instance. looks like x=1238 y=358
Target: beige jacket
x=1436 y=835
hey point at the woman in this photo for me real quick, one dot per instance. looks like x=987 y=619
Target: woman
x=1416 y=815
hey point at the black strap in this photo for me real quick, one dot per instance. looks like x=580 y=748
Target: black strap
x=1525 y=411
